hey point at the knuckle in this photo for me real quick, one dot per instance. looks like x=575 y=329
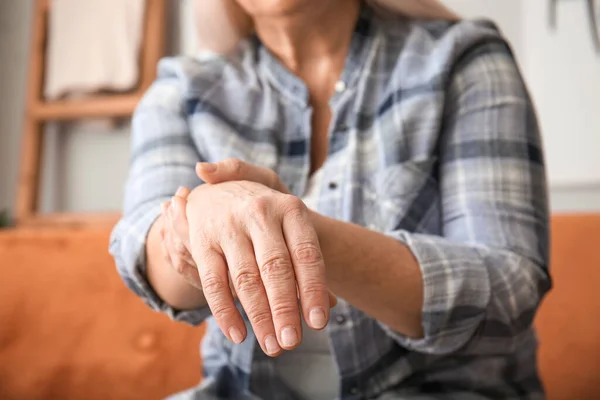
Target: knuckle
x=258 y=211
x=213 y=285
x=308 y=253
x=314 y=289
x=284 y=310
x=221 y=311
x=247 y=280
x=235 y=165
x=180 y=248
x=259 y=316
x=276 y=267
x=293 y=206
x=179 y=265
x=258 y=206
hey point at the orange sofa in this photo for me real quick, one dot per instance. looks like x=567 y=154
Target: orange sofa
x=69 y=329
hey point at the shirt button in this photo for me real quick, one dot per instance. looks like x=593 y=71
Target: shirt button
x=340 y=86
x=353 y=391
x=333 y=185
x=340 y=319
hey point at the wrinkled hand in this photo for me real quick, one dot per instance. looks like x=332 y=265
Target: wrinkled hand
x=263 y=239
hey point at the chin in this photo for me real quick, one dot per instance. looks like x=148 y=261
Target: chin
x=275 y=7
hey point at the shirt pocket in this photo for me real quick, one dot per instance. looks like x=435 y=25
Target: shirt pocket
x=403 y=196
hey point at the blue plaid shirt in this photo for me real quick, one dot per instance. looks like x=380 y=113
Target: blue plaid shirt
x=434 y=142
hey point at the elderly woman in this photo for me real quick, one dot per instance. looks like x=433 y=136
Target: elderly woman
x=384 y=157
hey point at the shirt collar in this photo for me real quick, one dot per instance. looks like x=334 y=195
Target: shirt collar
x=294 y=88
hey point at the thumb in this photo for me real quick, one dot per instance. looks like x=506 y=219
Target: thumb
x=332 y=299
x=233 y=169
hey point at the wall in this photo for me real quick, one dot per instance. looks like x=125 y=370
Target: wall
x=85 y=166
x=14 y=20
x=503 y=12
x=562 y=71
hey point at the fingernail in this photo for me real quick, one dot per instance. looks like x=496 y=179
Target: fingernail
x=317 y=318
x=208 y=167
x=272 y=345
x=289 y=336
x=236 y=335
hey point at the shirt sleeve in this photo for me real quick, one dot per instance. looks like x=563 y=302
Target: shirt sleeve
x=163 y=157
x=485 y=276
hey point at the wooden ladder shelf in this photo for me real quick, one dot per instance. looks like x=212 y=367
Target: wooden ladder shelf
x=39 y=112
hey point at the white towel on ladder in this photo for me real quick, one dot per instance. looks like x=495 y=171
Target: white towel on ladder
x=93 y=45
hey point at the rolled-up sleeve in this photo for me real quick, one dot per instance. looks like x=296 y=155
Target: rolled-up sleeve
x=163 y=157
x=485 y=276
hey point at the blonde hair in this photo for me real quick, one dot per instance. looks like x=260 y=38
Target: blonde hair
x=221 y=24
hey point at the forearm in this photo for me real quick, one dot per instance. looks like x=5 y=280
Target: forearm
x=168 y=284
x=373 y=272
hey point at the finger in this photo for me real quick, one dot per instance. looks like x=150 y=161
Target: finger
x=163 y=230
x=277 y=274
x=180 y=253
x=179 y=222
x=181 y=259
x=250 y=290
x=215 y=285
x=303 y=244
x=182 y=192
x=179 y=262
x=332 y=300
x=233 y=169
x=165 y=250
x=164 y=209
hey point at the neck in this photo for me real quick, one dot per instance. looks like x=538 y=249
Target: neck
x=320 y=31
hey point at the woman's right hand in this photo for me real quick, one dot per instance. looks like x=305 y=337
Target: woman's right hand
x=264 y=240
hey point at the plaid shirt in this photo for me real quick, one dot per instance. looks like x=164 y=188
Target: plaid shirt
x=433 y=141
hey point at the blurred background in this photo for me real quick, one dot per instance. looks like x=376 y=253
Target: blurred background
x=70 y=330
x=560 y=65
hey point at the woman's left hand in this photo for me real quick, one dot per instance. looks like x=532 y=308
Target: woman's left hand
x=233 y=169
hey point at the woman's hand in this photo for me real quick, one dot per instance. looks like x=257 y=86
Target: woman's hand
x=265 y=241
x=235 y=228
